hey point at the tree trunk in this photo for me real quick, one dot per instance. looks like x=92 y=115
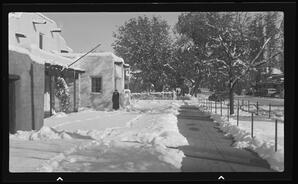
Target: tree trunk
x=197 y=84
x=231 y=90
x=231 y=97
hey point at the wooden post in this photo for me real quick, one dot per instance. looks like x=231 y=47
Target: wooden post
x=51 y=95
x=74 y=93
x=79 y=91
x=215 y=108
x=248 y=105
x=220 y=108
x=275 y=135
x=238 y=102
x=228 y=112
x=269 y=110
x=257 y=108
x=32 y=97
x=252 y=125
x=238 y=113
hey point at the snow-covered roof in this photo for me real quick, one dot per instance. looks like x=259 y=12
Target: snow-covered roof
x=98 y=54
x=136 y=71
x=15 y=14
x=42 y=57
x=276 y=71
x=20 y=14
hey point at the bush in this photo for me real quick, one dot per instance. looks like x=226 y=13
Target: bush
x=62 y=93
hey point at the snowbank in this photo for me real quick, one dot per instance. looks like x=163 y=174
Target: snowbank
x=154 y=128
x=243 y=140
x=154 y=106
x=45 y=133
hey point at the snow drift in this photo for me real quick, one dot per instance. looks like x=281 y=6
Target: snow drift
x=243 y=140
x=155 y=128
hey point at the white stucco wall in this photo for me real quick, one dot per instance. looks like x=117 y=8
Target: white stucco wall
x=100 y=65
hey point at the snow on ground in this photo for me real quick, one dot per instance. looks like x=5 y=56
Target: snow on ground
x=141 y=137
x=263 y=130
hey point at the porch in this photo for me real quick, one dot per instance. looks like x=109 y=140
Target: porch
x=72 y=79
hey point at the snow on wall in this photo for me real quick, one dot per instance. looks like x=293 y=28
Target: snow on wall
x=109 y=55
x=22 y=23
x=41 y=57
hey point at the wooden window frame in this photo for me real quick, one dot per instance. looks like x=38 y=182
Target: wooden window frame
x=41 y=43
x=92 y=87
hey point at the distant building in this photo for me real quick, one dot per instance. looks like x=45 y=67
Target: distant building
x=34 y=65
x=272 y=83
x=104 y=72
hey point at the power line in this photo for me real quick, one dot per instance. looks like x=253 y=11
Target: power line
x=84 y=55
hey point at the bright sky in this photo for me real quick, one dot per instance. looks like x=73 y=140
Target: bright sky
x=83 y=31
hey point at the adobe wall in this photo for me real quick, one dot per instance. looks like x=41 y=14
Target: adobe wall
x=22 y=65
x=95 y=66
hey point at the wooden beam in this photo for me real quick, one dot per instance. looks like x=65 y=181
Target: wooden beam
x=51 y=96
x=13 y=77
x=74 y=94
x=79 y=90
x=32 y=97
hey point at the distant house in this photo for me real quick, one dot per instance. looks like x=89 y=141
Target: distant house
x=104 y=72
x=34 y=65
x=272 y=84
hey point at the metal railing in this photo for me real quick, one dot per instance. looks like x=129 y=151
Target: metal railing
x=246 y=107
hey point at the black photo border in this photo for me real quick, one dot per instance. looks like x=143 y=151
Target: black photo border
x=289 y=10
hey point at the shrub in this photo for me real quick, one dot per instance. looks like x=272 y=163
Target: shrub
x=62 y=93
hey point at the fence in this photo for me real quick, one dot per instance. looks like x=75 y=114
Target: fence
x=255 y=109
x=154 y=96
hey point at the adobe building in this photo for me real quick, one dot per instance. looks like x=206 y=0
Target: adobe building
x=34 y=65
x=104 y=72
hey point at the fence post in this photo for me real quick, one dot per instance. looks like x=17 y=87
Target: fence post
x=257 y=108
x=252 y=125
x=248 y=105
x=269 y=110
x=275 y=135
x=215 y=108
x=238 y=113
x=220 y=108
x=228 y=112
x=208 y=105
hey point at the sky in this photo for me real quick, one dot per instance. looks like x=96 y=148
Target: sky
x=83 y=31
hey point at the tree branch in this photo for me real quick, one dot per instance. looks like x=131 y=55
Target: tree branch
x=266 y=60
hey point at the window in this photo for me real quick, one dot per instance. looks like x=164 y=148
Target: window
x=96 y=84
x=64 y=51
x=40 y=40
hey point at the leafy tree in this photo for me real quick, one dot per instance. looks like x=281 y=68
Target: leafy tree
x=224 y=41
x=186 y=65
x=145 y=44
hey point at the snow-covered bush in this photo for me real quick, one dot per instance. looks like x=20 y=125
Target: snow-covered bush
x=62 y=93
